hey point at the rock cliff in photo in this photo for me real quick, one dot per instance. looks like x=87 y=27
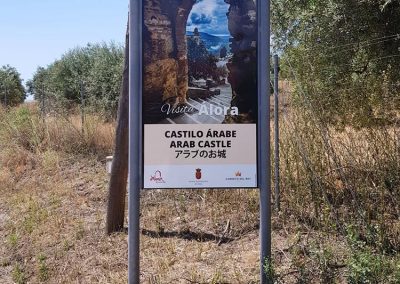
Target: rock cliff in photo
x=165 y=54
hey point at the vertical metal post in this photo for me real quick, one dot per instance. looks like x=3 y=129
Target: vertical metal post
x=264 y=156
x=5 y=95
x=135 y=134
x=82 y=107
x=276 y=132
x=43 y=110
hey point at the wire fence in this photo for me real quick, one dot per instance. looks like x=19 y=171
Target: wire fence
x=348 y=175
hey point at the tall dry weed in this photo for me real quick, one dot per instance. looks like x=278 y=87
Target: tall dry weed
x=333 y=178
x=24 y=127
x=28 y=140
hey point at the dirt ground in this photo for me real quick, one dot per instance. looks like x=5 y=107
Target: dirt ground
x=52 y=219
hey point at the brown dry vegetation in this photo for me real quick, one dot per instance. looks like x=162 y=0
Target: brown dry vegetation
x=339 y=221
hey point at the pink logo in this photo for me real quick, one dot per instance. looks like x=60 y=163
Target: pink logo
x=157 y=178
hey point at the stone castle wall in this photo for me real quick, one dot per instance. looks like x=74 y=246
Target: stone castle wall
x=165 y=53
x=242 y=24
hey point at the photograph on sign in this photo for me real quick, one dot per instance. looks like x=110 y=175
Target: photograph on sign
x=199 y=94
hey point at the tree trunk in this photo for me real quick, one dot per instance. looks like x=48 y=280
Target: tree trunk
x=119 y=169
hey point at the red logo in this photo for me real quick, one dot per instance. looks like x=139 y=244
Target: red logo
x=198 y=173
x=157 y=177
x=238 y=174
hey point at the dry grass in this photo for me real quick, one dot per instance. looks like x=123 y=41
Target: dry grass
x=24 y=127
x=53 y=190
x=184 y=237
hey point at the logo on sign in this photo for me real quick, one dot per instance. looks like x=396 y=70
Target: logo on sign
x=198 y=173
x=157 y=177
x=238 y=176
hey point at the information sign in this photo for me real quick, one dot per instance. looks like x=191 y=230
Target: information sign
x=199 y=94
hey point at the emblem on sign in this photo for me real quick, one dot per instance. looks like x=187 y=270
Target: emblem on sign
x=198 y=173
x=157 y=177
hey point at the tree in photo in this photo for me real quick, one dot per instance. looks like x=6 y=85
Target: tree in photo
x=202 y=64
x=223 y=52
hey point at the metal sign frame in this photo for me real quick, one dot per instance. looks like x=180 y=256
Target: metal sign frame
x=136 y=147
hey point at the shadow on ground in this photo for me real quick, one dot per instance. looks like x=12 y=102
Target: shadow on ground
x=188 y=235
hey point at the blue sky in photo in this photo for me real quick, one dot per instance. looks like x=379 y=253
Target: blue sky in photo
x=209 y=16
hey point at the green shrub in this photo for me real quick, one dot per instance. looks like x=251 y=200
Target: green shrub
x=365 y=267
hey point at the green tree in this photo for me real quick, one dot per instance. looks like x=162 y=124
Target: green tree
x=105 y=76
x=98 y=67
x=12 y=92
x=343 y=55
x=36 y=86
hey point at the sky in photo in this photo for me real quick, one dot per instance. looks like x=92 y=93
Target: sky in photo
x=209 y=16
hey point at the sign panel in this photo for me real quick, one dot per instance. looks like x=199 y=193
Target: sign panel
x=199 y=94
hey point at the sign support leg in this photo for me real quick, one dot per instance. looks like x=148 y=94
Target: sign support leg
x=135 y=138
x=263 y=48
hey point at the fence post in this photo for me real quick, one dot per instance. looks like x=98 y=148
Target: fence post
x=5 y=95
x=276 y=132
x=43 y=111
x=82 y=106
